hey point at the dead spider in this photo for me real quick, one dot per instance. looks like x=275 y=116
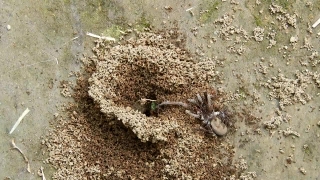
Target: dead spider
x=212 y=121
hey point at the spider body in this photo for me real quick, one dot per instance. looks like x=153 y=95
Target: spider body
x=204 y=111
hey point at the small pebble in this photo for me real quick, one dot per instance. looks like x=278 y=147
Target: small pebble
x=302 y=170
x=8 y=27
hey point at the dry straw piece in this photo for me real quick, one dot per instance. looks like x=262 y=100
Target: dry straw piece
x=150 y=66
x=316 y=23
x=25 y=112
x=101 y=37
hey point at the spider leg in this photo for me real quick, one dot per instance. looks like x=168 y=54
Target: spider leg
x=213 y=114
x=207 y=129
x=222 y=114
x=200 y=98
x=173 y=103
x=209 y=100
x=193 y=101
x=192 y=114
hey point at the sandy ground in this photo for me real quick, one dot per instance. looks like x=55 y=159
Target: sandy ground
x=45 y=39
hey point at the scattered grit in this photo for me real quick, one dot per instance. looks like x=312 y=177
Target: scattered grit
x=108 y=133
x=290 y=91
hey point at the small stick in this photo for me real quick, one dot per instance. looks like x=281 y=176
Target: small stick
x=24 y=157
x=17 y=148
x=101 y=37
x=19 y=120
x=316 y=23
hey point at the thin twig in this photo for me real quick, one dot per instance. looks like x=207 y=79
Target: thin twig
x=24 y=157
x=17 y=148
